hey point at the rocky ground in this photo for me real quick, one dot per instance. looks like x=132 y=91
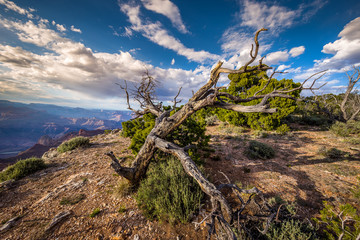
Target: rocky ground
x=297 y=174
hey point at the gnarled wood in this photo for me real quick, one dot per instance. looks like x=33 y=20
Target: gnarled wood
x=207 y=95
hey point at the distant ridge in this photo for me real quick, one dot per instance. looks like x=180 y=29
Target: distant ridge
x=44 y=144
x=22 y=125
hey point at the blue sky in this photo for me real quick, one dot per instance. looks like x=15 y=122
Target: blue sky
x=73 y=52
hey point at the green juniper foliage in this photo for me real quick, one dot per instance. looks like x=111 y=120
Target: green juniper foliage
x=333 y=221
x=190 y=132
x=73 y=143
x=22 y=169
x=245 y=85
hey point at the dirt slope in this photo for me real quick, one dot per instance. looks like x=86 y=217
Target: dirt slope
x=82 y=171
x=297 y=173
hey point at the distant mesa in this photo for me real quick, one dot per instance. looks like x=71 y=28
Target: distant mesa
x=29 y=128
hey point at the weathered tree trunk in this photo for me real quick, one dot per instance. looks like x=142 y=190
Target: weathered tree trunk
x=208 y=95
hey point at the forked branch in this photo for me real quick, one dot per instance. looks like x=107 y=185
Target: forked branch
x=222 y=215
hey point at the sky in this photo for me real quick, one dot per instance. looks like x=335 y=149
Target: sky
x=74 y=53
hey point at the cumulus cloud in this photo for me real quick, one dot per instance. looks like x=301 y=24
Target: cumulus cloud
x=69 y=71
x=16 y=56
x=258 y=15
x=168 y=9
x=276 y=57
x=60 y=28
x=157 y=34
x=283 y=67
x=297 y=51
x=345 y=50
x=277 y=18
x=253 y=15
x=12 y=6
x=74 y=29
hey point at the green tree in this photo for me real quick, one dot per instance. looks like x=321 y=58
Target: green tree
x=248 y=84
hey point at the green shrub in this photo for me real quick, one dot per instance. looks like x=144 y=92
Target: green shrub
x=333 y=221
x=291 y=229
x=168 y=193
x=22 y=168
x=246 y=85
x=73 y=143
x=122 y=209
x=260 y=150
x=211 y=120
x=332 y=153
x=107 y=131
x=351 y=128
x=260 y=134
x=283 y=129
x=123 y=188
x=190 y=132
x=95 y=212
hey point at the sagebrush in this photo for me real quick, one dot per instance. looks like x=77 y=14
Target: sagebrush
x=168 y=193
x=259 y=150
x=22 y=169
x=73 y=143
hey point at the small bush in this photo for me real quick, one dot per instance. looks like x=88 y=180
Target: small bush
x=211 y=120
x=260 y=134
x=260 y=150
x=73 y=143
x=107 y=131
x=95 y=212
x=122 y=209
x=123 y=188
x=332 y=153
x=293 y=229
x=348 y=129
x=333 y=221
x=168 y=193
x=283 y=129
x=22 y=169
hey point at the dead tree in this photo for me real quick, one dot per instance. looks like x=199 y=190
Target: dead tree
x=207 y=96
x=344 y=107
x=350 y=105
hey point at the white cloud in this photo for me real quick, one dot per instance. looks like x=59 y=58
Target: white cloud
x=75 y=29
x=172 y=61
x=157 y=34
x=297 y=51
x=276 y=57
x=345 y=50
x=60 y=28
x=258 y=15
x=283 y=67
x=168 y=9
x=38 y=34
x=254 y=15
x=275 y=17
x=12 y=6
x=68 y=71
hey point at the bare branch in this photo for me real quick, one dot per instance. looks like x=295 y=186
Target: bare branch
x=175 y=101
x=246 y=109
x=253 y=56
